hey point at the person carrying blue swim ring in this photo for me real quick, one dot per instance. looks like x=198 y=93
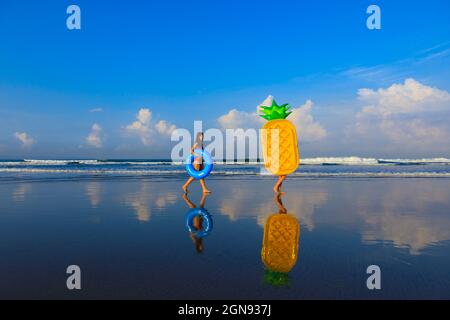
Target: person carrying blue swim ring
x=198 y=163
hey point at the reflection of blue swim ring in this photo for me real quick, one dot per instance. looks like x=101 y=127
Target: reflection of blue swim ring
x=206 y=168
x=207 y=222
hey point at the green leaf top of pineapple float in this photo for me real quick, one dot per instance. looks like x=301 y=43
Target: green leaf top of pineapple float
x=275 y=112
x=277 y=279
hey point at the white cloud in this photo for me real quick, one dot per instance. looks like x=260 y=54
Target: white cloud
x=379 y=73
x=96 y=110
x=145 y=130
x=403 y=98
x=301 y=117
x=141 y=127
x=165 y=128
x=240 y=119
x=409 y=114
x=307 y=128
x=404 y=68
x=144 y=116
x=24 y=139
x=416 y=130
x=94 y=138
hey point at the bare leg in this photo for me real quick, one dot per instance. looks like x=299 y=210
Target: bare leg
x=205 y=190
x=277 y=186
x=186 y=185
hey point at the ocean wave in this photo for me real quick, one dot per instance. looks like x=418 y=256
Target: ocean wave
x=88 y=171
x=57 y=162
x=88 y=162
x=422 y=174
x=371 y=161
x=415 y=161
x=340 y=161
x=318 y=161
x=375 y=174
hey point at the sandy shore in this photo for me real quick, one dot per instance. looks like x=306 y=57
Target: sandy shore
x=129 y=237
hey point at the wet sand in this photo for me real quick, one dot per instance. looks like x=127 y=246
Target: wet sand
x=129 y=237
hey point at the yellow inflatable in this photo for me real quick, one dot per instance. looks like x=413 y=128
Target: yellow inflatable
x=280 y=245
x=279 y=140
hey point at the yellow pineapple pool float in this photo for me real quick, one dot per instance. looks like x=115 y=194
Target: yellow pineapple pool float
x=279 y=140
x=280 y=247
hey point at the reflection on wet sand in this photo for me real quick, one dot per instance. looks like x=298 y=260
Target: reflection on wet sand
x=198 y=222
x=303 y=203
x=280 y=245
x=20 y=192
x=93 y=193
x=144 y=200
x=255 y=245
x=409 y=215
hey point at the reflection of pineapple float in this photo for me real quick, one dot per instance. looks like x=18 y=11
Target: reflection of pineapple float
x=279 y=140
x=280 y=245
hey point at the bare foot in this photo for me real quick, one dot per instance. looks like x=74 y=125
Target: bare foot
x=278 y=191
x=185 y=189
x=206 y=191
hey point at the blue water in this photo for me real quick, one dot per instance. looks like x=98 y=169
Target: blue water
x=315 y=167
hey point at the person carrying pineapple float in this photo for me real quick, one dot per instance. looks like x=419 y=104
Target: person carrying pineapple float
x=279 y=141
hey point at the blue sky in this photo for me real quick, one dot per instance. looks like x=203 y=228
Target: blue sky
x=197 y=60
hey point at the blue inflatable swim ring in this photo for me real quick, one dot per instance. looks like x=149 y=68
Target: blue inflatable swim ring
x=207 y=160
x=207 y=222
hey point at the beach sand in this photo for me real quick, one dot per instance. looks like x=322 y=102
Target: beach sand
x=130 y=239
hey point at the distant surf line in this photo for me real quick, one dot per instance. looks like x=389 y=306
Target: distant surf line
x=350 y=161
x=107 y=172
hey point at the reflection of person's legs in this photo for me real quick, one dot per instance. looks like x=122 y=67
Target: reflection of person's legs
x=277 y=186
x=203 y=200
x=197 y=222
x=198 y=242
x=279 y=202
x=198 y=225
x=188 y=201
x=205 y=190
x=186 y=185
